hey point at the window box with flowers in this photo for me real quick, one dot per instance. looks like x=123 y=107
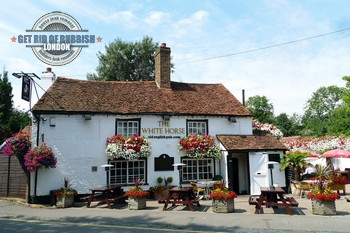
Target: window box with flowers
x=223 y=199
x=65 y=195
x=130 y=148
x=200 y=146
x=322 y=197
x=137 y=196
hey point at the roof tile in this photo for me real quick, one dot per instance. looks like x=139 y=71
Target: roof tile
x=143 y=97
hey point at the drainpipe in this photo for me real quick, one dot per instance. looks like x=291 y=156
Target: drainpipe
x=37 y=144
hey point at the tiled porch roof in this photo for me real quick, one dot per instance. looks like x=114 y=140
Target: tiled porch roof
x=250 y=142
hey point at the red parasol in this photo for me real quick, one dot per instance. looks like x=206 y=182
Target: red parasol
x=337 y=154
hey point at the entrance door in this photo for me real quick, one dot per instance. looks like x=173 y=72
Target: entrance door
x=232 y=169
x=258 y=171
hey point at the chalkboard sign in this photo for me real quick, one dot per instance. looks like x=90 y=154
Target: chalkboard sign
x=164 y=163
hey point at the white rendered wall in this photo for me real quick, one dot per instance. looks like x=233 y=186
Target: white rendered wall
x=80 y=144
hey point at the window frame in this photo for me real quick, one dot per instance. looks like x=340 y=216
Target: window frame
x=127 y=120
x=128 y=183
x=210 y=174
x=200 y=121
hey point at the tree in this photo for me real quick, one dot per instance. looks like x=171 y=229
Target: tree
x=294 y=160
x=260 y=108
x=11 y=120
x=318 y=108
x=126 y=61
x=346 y=90
x=5 y=106
x=339 y=121
x=285 y=124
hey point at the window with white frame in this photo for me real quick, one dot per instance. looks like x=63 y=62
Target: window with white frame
x=197 y=127
x=128 y=127
x=126 y=171
x=197 y=169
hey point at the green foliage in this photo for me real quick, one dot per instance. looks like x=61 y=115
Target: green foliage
x=295 y=160
x=319 y=107
x=346 y=90
x=126 y=61
x=289 y=126
x=11 y=120
x=339 y=121
x=260 y=108
x=159 y=180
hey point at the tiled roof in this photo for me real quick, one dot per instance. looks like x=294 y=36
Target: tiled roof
x=71 y=95
x=250 y=142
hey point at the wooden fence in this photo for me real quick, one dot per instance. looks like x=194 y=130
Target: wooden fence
x=13 y=181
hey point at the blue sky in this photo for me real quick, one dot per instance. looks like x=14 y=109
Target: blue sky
x=198 y=31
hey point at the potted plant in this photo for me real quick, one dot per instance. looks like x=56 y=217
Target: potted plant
x=65 y=195
x=294 y=161
x=199 y=146
x=161 y=191
x=323 y=199
x=137 y=196
x=223 y=199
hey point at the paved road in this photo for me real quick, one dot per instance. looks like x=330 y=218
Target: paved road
x=19 y=217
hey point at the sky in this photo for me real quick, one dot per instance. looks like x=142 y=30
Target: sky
x=284 y=50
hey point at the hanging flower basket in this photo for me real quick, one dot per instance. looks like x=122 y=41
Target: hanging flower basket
x=17 y=145
x=200 y=146
x=41 y=156
x=130 y=148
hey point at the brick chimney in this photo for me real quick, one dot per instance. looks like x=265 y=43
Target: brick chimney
x=162 y=67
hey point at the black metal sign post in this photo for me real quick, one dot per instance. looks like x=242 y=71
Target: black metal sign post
x=27 y=80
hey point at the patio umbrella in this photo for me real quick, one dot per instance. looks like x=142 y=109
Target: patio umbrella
x=337 y=154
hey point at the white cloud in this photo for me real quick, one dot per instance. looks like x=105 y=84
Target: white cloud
x=155 y=18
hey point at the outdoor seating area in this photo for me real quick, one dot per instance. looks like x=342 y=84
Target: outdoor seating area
x=244 y=204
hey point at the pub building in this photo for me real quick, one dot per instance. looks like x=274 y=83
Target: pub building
x=75 y=118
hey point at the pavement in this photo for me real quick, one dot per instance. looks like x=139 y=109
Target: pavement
x=180 y=218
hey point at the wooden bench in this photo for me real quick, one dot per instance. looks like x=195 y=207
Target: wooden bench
x=292 y=202
x=253 y=200
x=97 y=198
x=86 y=198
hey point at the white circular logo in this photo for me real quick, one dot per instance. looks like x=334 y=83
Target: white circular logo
x=59 y=40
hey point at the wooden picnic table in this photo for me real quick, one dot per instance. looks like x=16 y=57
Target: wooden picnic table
x=274 y=197
x=181 y=196
x=107 y=194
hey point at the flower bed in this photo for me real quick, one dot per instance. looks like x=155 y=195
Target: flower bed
x=199 y=146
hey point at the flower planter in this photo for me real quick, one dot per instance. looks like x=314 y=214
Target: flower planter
x=320 y=207
x=64 y=201
x=136 y=203
x=161 y=195
x=223 y=206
